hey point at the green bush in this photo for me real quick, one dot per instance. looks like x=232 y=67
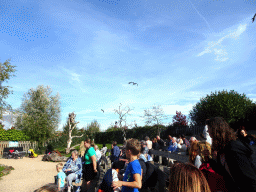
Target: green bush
x=12 y=135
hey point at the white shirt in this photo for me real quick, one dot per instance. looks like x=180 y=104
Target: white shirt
x=98 y=155
x=149 y=144
x=115 y=178
x=206 y=135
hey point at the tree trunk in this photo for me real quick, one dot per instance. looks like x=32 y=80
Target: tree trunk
x=69 y=139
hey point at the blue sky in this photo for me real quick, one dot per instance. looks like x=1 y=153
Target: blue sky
x=88 y=51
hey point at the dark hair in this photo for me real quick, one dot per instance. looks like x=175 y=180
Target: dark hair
x=104 y=145
x=222 y=134
x=90 y=142
x=114 y=143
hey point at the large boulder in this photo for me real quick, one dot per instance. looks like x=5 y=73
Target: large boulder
x=55 y=157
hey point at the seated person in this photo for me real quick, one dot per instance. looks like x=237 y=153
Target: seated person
x=173 y=147
x=104 y=149
x=73 y=169
x=98 y=154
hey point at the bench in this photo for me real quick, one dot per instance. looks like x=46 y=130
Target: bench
x=176 y=156
x=17 y=152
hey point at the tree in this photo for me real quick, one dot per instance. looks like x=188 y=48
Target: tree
x=66 y=129
x=179 y=119
x=154 y=116
x=6 y=72
x=231 y=105
x=39 y=114
x=93 y=128
x=122 y=113
x=71 y=126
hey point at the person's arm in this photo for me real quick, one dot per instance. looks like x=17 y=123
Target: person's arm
x=137 y=183
x=59 y=181
x=94 y=163
x=65 y=167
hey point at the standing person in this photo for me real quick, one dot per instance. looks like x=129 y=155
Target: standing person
x=115 y=152
x=233 y=157
x=155 y=146
x=186 y=177
x=206 y=133
x=98 y=154
x=60 y=177
x=90 y=164
x=160 y=142
x=132 y=180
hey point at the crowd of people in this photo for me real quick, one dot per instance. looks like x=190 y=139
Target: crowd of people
x=219 y=161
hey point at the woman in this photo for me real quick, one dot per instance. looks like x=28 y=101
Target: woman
x=186 y=177
x=149 y=143
x=73 y=169
x=242 y=135
x=90 y=163
x=193 y=152
x=234 y=161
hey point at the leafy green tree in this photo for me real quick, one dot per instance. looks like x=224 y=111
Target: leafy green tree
x=231 y=105
x=39 y=114
x=6 y=72
x=93 y=128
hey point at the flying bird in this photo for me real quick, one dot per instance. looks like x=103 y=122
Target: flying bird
x=253 y=17
x=133 y=83
x=102 y=110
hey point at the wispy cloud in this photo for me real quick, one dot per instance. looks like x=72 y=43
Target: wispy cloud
x=221 y=54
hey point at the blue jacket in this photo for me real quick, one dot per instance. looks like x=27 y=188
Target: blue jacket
x=172 y=147
x=116 y=151
x=75 y=166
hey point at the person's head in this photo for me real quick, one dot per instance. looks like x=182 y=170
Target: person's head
x=114 y=143
x=146 y=138
x=186 y=177
x=169 y=137
x=133 y=147
x=183 y=136
x=241 y=132
x=220 y=132
x=158 y=137
x=59 y=167
x=194 y=151
x=104 y=145
x=74 y=154
x=154 y=140
x=192 y=139
x=88 y=143
x=174 y=139
x=51 y=187
x=202 y=145
x=96 y=147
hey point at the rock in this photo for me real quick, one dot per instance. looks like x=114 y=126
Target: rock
x=54 y=157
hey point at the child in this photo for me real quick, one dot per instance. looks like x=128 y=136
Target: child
x=132 y=180
x=60 y=177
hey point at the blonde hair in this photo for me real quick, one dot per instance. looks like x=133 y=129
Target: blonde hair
x=185 y=177
x=59 y=166
x=134 y=145
x=193 y=152
x=82 y=149
x=202 y=146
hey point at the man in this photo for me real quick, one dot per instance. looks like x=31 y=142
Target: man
x=115 y=152
x=160 y=142
x=173 y=147
x=169 y=140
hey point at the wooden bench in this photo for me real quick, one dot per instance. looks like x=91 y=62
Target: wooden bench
x=176 y=156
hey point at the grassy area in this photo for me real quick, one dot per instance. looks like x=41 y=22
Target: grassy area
x=5 y=170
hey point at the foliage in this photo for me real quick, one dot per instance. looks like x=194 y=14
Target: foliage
x=231 y=105
x=113 y=128
x=6 y=72
x=12 y=135
x=179 y=119
x=39 y=114
x=93 y=128
x=66 y=129
x=5 y=170
x=154 y=116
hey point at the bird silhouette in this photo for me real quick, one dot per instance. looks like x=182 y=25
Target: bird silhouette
x=253 y=17
x=133 y=83
x=102 y=110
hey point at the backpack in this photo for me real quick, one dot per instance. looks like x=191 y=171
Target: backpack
x=215 y=181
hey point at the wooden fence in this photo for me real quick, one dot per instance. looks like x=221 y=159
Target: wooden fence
x=25 y=144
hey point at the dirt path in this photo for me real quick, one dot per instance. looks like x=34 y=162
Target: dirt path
x=28 y=175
